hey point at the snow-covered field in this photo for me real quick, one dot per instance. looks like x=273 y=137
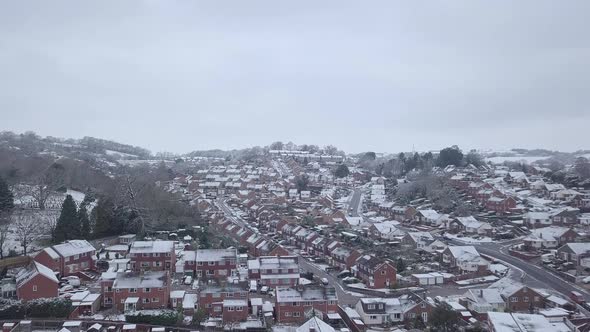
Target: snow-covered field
x=120 y=154
x=525 y=159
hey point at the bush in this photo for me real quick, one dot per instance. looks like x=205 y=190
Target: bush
x=40 y=308
x=160 y=317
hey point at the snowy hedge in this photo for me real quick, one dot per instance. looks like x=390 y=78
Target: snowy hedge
x=40 y=308
x=153 y=317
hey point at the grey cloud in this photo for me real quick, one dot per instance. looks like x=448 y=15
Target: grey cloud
x=379 y=75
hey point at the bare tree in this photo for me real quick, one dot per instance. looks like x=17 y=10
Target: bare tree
x=3 y=239
x=47 y=183
x=26 y=230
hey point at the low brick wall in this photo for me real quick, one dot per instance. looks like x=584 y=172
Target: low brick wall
x=523 y=255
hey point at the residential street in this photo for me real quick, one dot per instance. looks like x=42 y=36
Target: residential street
x=344 y=298
x=531 y=274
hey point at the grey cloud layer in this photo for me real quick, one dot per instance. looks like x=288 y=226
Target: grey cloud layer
x=379 y=75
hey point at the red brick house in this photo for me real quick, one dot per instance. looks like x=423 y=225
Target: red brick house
x=296 y=305
x=500 y=205
x=68 y=258
x=152 y=256
x=234 y=310
x=36 y=281
x=128 y=291
x=344 y=258
x=521 y=298
x=274 y=271
x=211 y=298
x=420 y=310
x=216 y=263
x=376 y=272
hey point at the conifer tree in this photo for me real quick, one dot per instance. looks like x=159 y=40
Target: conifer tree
x=68 y=224
x=6 y=197
x=84 y=222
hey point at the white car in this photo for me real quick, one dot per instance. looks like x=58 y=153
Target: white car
x=188 y=280
x=72 y=280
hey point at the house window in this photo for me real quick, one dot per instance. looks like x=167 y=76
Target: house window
x=146 y=290
x=412 y=315
x=132 y=290
x=373 y=317
x=108 y=300
x=109 y=289
x=332 y=302
x=217 y=309
x=145 y=254
x=536 y=299
x=118 y=290
x=34 y=288
x=371 y=306
x=296 y=314
x=199 y=263
x=525 y=299
x=514 y=299
x=211 y=263
x=157 y=254
x=383 y=272
x=208 y=306
x=230 y=308
x=425 y=317
x=288 y=314
x=239 y=308
x=155 y=299
x=146 y=300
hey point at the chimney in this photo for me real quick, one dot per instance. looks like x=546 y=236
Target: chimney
x=481 y=292
x=312 y=329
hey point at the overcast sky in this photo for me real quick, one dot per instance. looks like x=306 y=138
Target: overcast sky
x=363 y=75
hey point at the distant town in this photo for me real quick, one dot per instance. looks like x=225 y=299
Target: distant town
x=101 y=236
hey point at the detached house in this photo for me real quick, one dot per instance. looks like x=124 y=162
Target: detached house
x=216 y=263
x=129 y=291
x=376 y=272
x=296 y=305
x=152 y=256
x=430 y=217
x=418 y=240
x=36 y=281
x=550 y=237
x=344 y=258
x=466 y=259
x=273 y=271
x=68 y=258
x=470 y=225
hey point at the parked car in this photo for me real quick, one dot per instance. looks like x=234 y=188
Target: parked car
x=188 y=280
x=325 y=281
x=72 y=280
x=264 y=289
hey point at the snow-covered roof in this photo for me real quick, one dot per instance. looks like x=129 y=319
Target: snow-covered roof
x=32 y=270
x=315 y=324
x=515 y=322
x=215 y=255
x=141 y=247
x=73 y=247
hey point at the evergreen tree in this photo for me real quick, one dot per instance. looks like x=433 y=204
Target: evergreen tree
x=103 y=217
x=6 y=197
x=68 y=224
x=84 y=222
